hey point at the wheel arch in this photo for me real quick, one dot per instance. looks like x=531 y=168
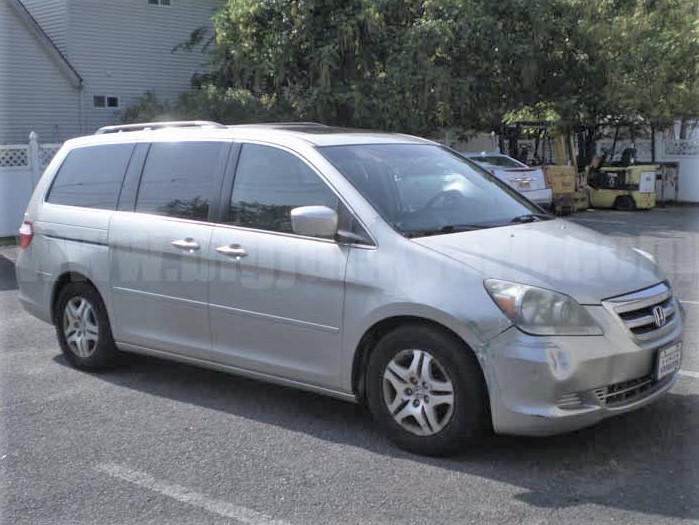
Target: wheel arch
x=67 y=277
x=382 y=327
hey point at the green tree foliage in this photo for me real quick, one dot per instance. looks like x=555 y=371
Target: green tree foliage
x=395 y=64
x=420 y=65
x=149 y=109
x=638 y=59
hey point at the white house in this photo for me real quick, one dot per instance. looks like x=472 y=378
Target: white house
x=39 y=89
x=68 y=67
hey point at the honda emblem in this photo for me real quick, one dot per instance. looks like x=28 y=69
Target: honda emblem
x=659 y=315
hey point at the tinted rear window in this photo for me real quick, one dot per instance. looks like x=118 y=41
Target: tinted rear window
x=91 y=177
x=178 y=178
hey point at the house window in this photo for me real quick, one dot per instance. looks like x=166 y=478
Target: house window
x=159 y=2
x=103 y=101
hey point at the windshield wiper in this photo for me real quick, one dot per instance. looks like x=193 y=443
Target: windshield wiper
x=531 y=217
x=450 y=228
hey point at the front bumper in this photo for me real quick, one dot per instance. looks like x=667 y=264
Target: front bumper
x=549 y=385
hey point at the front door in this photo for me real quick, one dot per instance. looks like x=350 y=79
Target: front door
x=276 y=298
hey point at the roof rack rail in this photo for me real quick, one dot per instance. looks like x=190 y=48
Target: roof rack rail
x=159 y=125
x=302 y=123
x=280 y=125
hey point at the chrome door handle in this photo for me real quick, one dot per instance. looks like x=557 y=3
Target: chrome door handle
x=187 y=244
x=232 y=250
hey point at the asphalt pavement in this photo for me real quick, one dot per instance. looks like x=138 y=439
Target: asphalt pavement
x=159 y=442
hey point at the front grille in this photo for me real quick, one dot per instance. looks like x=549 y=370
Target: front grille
x=642 y=321
x=625 y=392
x=615 y=395
x=637 y=311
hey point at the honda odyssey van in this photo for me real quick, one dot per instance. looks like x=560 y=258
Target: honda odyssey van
x=376 y=268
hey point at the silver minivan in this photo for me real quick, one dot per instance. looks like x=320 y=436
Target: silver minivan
x=377 y=268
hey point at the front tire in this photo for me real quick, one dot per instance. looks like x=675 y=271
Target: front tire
x=82 y=327
x=426 y=390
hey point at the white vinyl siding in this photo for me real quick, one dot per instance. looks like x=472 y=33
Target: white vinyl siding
x=120 y=49
x=124 y=49
x=52 y=17
x=35 y=95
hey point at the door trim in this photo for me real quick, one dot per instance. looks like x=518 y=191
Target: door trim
x=287 y=320
x=160 y=296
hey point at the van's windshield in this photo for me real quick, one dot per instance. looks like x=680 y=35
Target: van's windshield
x=424 y=189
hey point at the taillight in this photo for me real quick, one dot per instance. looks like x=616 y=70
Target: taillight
x=26 y=234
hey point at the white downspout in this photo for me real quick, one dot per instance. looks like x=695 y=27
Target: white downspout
x=81 y=109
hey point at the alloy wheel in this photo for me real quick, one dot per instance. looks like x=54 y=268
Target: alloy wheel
x=80 y=326
x=418 y=392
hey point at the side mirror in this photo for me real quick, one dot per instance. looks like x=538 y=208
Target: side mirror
x=314 y=221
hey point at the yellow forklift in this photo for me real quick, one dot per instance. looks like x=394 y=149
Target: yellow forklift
x=626 y=186
x=569 y=186
x=555 y=154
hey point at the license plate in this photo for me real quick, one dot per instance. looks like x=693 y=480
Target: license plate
x=668 y=361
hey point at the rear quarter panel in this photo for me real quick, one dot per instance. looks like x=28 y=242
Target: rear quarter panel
x=71 y=239
x=66 y=239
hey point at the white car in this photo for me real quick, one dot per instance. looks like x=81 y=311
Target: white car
x=529 y=181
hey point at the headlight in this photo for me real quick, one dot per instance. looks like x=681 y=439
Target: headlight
x=537 y=311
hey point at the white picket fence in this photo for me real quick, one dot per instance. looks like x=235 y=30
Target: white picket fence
x=21 y=166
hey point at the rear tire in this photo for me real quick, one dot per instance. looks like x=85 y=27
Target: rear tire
x=624 y=203
x=426 y=390
x=82 y=327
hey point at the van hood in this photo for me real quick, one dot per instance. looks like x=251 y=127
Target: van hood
x=556 y=254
